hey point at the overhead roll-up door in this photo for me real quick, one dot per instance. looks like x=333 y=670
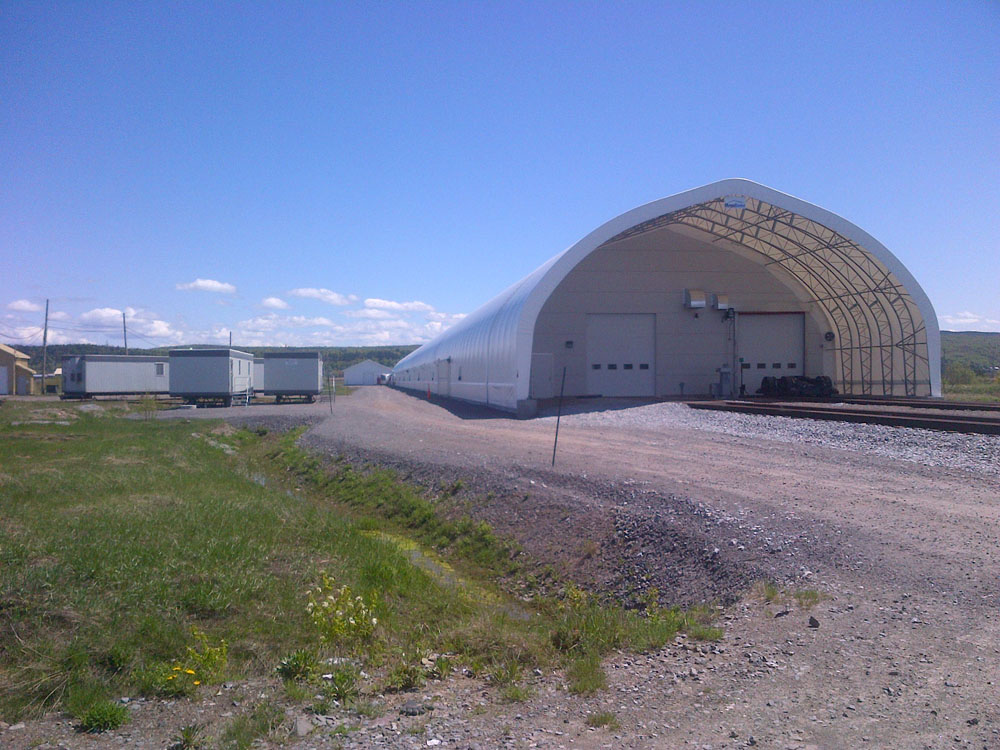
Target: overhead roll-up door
x=621 y=351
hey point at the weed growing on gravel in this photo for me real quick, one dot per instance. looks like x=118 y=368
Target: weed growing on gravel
x=516 y=693
x=297 y=692
x=299 y=666
x=585 y=675
x=767 y=591
x=342 y=684
x=367 y=709
x=808 y=598
x=190 y=737
x=604 y=719
x=403 y=675
x=103 y=716
x=262 y=721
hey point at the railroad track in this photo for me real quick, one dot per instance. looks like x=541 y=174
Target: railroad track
x=988 y=425
x=914 y=403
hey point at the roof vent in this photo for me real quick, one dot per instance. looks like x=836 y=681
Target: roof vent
x=721 y=301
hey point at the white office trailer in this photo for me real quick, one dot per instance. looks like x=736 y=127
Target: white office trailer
x=291 y=374
x=368 y=372
x=88 y=375
x=703 y=292
x=222 y=375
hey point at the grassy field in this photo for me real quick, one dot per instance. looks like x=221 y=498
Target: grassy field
x=985 y=391
x=163 y=557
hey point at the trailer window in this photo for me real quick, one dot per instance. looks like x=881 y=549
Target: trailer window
x=159 y=368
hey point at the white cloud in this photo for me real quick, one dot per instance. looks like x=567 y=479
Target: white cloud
x=208 y=285
x=33 y=335
x=970 y=321
x=58 y=315
x=143 y=322
x=324 y=295
x=24 y=305
x=274 y=303
x=274 y=322
x=102 y=316
x=370 y=314
x=385 y=304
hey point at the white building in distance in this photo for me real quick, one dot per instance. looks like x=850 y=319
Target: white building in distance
x=365 y=373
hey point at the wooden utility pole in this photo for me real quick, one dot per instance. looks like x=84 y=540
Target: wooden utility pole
x=125 y=333
x=45 y=346
x=230 y=339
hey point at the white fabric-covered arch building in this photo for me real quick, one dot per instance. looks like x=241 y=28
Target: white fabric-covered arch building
x=639 y=308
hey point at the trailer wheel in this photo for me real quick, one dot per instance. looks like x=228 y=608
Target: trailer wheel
x=311 y=398
x=227 y=401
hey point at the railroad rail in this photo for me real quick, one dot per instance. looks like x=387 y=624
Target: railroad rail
x=915 y=403
x=982 y=425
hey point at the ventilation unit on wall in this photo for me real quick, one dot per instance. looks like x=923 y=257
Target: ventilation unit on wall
x=694 y=299
x=721 y=301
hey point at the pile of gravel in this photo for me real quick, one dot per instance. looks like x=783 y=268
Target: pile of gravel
x=976 y=453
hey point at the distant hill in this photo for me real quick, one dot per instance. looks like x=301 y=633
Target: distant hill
x=980 y=352
x=335 y=358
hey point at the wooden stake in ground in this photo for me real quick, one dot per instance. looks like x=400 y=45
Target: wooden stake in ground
x=555 y=442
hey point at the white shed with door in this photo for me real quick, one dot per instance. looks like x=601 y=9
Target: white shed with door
x=211 y=374
x=367 y=372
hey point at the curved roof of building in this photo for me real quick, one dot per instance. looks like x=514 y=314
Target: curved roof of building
x=870 y=300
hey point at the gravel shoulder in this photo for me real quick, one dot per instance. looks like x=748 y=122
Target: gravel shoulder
x=898 y=528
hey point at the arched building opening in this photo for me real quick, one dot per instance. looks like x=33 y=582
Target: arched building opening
x=666 y=299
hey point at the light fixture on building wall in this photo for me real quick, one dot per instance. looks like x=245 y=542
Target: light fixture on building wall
x=694 y=299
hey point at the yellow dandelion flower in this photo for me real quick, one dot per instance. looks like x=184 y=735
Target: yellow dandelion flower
x=177 y=669
x=189 y=671
x=171 y=677
x=197 y=682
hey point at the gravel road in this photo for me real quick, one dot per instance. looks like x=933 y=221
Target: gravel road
x=897 y=529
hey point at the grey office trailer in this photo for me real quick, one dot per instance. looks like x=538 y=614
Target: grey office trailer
x=87 y=375
x=293 y=374
x=211 y=374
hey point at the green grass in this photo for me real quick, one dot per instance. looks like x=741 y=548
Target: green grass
x=137 y=557
x=263 y=720
x=987 y=391
x=103 y=716
x=808 y=598
x=604 y=719
x=585 y=675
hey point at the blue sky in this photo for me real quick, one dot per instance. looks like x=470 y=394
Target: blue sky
x=365 y=173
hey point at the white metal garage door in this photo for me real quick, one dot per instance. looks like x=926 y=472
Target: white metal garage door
x=621 y=354
x=770 y=344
